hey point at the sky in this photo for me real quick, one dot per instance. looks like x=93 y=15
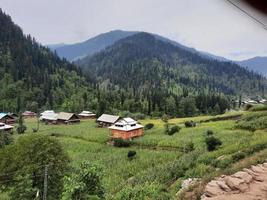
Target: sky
x=214 y=26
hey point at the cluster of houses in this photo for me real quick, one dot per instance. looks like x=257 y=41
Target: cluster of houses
x=124 y=128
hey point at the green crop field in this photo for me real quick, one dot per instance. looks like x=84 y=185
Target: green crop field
x=161 y=162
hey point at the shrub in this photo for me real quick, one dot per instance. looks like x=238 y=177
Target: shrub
x=209 y=132
x=222 y=163
x=248 y=107
x=190 y=124
x=149 y=126
x=212 y=143
x=5 y=139
x=21 y=127
x=131 y=154
x=188 y=147
x=121 y=143
x=238 y=156
x=174 y=130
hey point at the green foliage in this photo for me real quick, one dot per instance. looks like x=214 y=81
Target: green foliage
x=190 y=124
x=174 y=129
x=238 y=156
x=209 y=132
x=188 y=147
x=253 y=121
x=21 y=127
x=117 y=142
x=5 y=139
x=149 y=126
x=84 y=184
x=24 y=162
x=143 y=192
x=212 y=143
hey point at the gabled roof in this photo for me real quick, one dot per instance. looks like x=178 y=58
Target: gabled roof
x=108 y=118
x=49 y=115
x=65 y=115
x=2 y=115
x=126 y=124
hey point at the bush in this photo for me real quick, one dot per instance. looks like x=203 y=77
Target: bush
x=21 y=129
x=188 y=147
x=248 y=107
x=5 y=139
x=190 y=124
x=238 y=156
x=121 y=143
x=222 y=163
x=149 y=126
x=174 y=130
x=209 y=132
x=212 y=143
x=131 y=154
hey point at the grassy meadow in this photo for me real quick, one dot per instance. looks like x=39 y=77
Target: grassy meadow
x=161 y=159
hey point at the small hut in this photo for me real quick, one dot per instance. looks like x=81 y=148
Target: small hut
x=106 y=120
x=67 y=118
x=29 y=114
x=6 y=118
x=126 y=129
x=6 y=128
x=86 y=115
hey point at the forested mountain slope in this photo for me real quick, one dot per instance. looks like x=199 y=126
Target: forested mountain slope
x=142 y=62
x=257 y=64
x=31 y=76
x=80 y=50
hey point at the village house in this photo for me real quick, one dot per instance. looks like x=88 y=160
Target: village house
x=29 y=114
x=126 y=128
x=6 y=128
x=6 y=118
x=86 y=115
x=67 y=118
x=49 y=116
x=106 y=120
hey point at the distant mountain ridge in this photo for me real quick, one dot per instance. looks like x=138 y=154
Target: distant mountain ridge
x=74 y=52
x=80 y=50
x=257 y=64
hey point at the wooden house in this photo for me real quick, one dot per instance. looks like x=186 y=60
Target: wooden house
x=126 y=129
x=86 y=115
x=106 y=120
x=6 y=128
x=67 y=118
x=49 y=117
x=6 y=118
x=29 y=114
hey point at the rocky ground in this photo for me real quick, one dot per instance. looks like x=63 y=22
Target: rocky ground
x=248 y=184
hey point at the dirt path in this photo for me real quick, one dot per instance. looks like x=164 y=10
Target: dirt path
x=248 y=184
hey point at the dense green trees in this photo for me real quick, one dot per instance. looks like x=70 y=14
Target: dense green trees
x=84 y=184
x=22 y=167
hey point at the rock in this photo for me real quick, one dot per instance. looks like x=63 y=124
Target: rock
x=257 y=169
x=244 y=176
x=236 y=183
x=212 y=189
x=223 y=186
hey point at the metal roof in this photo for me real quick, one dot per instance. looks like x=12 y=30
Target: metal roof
x=108 y=118
x=2 y=115
x=65 y=115
x=126 y=124
x=5 y=126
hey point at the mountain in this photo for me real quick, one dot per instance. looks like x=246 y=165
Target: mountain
x=257 y=64
x=80 y=50
x=31 y=76
x=76 y=51
x=143 y=61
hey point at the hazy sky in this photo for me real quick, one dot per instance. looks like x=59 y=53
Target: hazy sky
x=208 y=25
